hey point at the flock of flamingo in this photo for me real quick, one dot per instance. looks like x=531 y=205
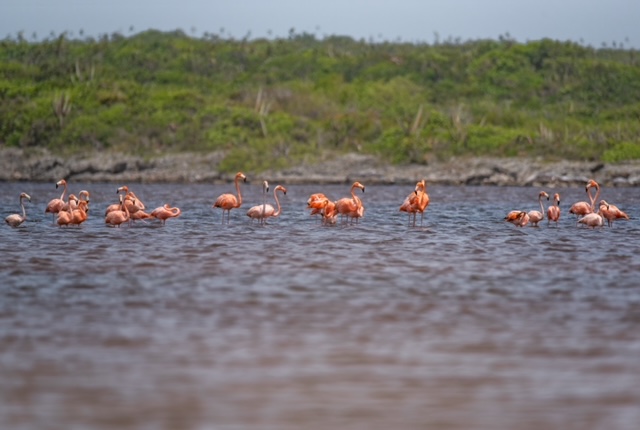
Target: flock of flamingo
x=585 y=211
x=129 y=208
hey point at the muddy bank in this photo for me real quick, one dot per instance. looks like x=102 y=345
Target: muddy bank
x=34 y=165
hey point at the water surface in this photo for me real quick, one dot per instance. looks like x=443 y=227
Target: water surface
x=463 y=322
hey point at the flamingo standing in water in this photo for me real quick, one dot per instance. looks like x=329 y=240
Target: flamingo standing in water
x=80 y=214
x=163 y=213
x=351 y=207
x=56 y=205
x=593 y=219
x=517 y=218
x=583 y=208
x=416 y=202
x=316 y=203
x=116 y=218
x=553 y=212
x=611 y=212
x=257 y=212
x=66 y=217
x=82 y=196
x=264 y=211
x=536 y=216
x=229 y=201
x=15 y=220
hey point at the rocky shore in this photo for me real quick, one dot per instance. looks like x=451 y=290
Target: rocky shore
x=42 y=166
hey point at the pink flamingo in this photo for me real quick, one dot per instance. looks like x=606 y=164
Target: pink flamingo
x=416 y=202
x=316 y=203
x=116 y=218
x=351 y=207
x=553 y=212
x=55 y=205
x=517 y=218
x=264 y=211
x=66 y=217
x=229 y=201
x=163 y=213
x=536 y=216
x=583 y=208
x=15 y=220
x=593 y=220
x=80 y=214
x=611 y=212
x=82 y=196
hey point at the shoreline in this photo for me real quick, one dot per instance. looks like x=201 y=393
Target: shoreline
x=17 y=165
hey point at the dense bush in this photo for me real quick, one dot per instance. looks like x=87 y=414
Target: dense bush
x=267 y=103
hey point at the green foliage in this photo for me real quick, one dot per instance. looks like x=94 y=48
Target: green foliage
x=267 y=103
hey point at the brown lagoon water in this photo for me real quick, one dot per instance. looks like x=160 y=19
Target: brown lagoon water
x=466 y=322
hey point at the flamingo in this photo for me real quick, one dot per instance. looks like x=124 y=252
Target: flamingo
x=329 y=212
x=583 y=208
x=229 y=201
x=553 y=212
x=416 y=202
x=15 y=220
x=66 y=217
x=316 y=203
x=80 y=214
x=82 y=196
x=55 y=205
x=536 y=216
x=267 y=211
x=116 y=218
x=163 y=213
x=351 y=207
x=517 y=218
x=593 y=219
x=257 y=212
x=611 y=212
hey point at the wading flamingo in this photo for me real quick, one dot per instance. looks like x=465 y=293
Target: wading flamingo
x=163 y=213
x=416 y=202
x=553 y=212
x=611 y=213
x=55 y=205
x=82 y=196
x=268 y=211
x=66 y=217
x=316 y=203
x=229 y=201
x=536 y=216
x=351 y=207
x=80 y=214
x=583 y=208
x=593 y=219
x=329 y=212
x=257 y=212
x=15 y=220
x=116 y=218
x=517 y=218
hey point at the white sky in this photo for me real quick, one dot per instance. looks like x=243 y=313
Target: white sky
x=592 y=22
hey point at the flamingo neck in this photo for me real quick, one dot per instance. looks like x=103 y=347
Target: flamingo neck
x=275 y=195
x=238 y=192
x=64 y=191
x=594 y=198
x=24 y=213
x=541 y=205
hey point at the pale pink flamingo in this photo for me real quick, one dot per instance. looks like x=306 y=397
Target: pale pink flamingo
x=229 y=201
x=116 y=218
x=15 y=220
x=611 y=212
x=351 y=207
x=163 y=213
x=257 y=212
x=267 y=211
x=553 y=212
x=536 y=216
x=517 y=218
x=55 y=205
x=593 y=220
x=66 y=217
x=583 y=208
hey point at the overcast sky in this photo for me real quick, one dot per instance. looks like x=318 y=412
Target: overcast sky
x=592 y=22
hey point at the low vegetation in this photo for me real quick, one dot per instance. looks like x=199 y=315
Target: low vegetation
x=271 y=103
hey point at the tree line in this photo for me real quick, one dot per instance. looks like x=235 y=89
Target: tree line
x=275 y=102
